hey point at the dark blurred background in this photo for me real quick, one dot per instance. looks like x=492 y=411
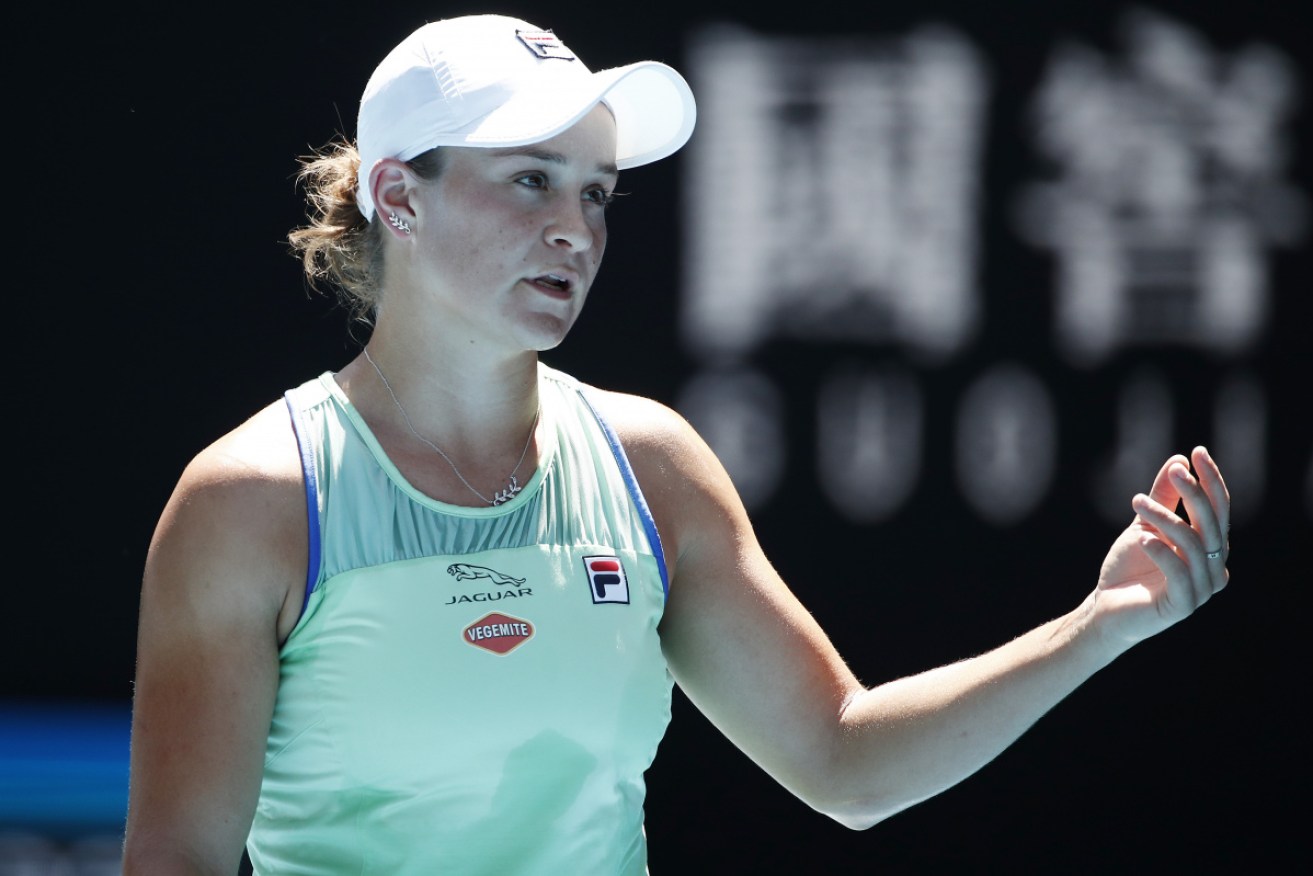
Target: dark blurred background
x=943 y=282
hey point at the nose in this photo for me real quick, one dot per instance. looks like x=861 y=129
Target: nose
x=571 y=227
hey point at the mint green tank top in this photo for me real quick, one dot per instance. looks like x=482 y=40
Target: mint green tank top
x=468 y=690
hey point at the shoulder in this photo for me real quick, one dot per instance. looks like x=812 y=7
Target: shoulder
x=258 y=460
x=655 y=436
x=237 y=517
x=687 y=488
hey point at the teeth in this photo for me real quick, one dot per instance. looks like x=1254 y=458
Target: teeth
x=555 y=280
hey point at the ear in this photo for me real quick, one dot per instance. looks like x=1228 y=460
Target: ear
x=391 y=184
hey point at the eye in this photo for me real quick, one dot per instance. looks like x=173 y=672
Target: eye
x=600 y=197
x=535 y=180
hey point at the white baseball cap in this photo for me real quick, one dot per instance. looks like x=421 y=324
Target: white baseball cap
x=494 y=81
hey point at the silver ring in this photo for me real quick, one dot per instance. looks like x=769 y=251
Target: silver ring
x=1212 y=555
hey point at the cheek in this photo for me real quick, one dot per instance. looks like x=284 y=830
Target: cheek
x=599 y=241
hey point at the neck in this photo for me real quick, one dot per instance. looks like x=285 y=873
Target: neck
x=461 y=392
x=456 y=427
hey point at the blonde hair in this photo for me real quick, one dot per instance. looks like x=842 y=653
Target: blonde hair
x=337 y=244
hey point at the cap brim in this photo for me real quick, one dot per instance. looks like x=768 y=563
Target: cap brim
x=652 y=104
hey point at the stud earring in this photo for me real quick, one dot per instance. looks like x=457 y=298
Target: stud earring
x=398 y=222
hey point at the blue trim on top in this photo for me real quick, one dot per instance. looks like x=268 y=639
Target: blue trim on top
x=311 y=498
x=635 y=492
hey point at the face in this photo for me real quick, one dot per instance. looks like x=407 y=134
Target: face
x=508 y=241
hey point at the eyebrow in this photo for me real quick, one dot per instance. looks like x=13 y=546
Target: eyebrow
x=607 y=167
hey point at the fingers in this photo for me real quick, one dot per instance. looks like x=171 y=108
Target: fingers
x=1163 y=490
x=1208 y=504
x=1210 y=478
x=1203 y=493
x=1170 y=528
x=1197 y=547
x=1174 y=547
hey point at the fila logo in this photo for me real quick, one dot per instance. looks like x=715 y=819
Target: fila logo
x=499 y=633
x=545 y=44
x=606 y=580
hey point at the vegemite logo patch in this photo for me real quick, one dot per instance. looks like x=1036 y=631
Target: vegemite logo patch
x=606 y=580
x=499 y=633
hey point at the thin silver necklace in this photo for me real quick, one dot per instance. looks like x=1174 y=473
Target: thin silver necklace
x=512 y=485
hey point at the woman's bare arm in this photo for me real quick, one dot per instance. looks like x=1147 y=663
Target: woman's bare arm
x=222 y=587
x=750 y=656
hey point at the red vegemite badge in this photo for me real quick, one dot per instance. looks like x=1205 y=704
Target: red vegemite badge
x=498 y=633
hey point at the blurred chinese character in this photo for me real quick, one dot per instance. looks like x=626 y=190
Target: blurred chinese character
x=1167 y=192
x=831 y=190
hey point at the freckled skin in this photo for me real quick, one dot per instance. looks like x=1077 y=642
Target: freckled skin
x=493 y=223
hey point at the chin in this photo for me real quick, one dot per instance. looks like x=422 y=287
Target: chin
x=541 y=331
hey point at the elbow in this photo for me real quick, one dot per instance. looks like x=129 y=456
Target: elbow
x=841 y=794
x=854 y=808
x=857 y=820
x=856 y=814
x=852 y=782
x=859 y=800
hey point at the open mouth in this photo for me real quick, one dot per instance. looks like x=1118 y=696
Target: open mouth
x=554 y=282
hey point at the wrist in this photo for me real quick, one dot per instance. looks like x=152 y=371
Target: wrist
x=1095 y=627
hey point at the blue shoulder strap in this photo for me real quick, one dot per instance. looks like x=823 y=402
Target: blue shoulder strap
x=311 y=495
x=635 y=492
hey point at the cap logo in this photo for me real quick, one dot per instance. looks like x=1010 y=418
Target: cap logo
x=499 y=633
x=545 y=44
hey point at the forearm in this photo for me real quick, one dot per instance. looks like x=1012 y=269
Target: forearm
x=748 y=654
x=906 y=740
